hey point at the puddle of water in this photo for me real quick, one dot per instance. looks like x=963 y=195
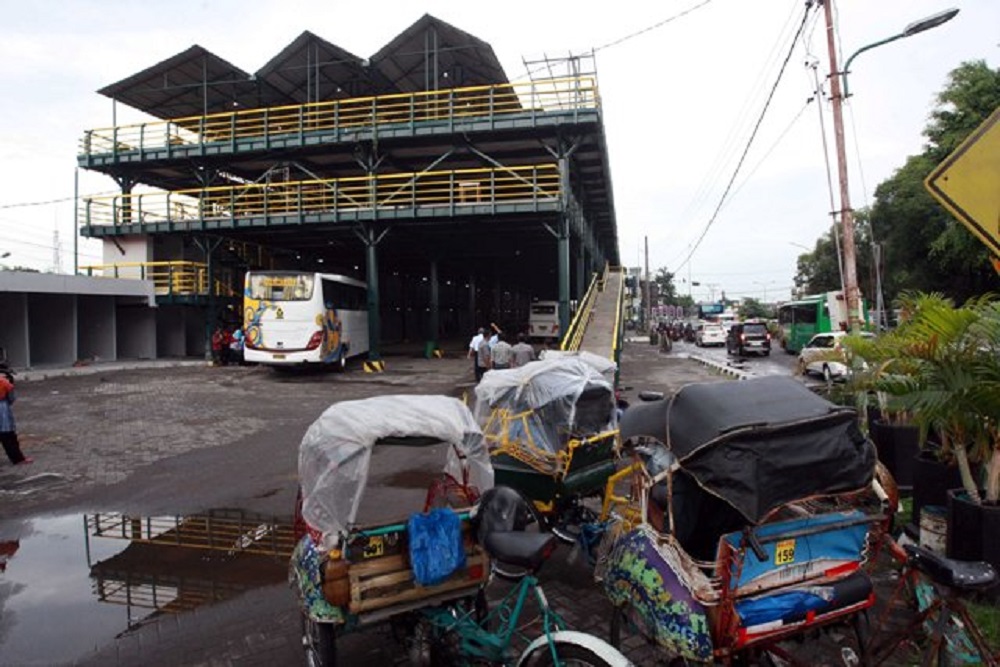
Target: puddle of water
x=70 y=584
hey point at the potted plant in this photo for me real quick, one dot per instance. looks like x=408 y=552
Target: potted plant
x=943 y=367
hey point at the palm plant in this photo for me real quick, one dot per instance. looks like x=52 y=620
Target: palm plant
x=942 y=367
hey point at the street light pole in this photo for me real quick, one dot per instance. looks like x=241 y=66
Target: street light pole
x=853 y=295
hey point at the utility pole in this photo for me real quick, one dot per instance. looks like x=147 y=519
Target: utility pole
x=846 y=213
x=649 y=303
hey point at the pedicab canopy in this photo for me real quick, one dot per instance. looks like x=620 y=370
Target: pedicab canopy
x=547 y=401
x=760 y=443
x=336 y=452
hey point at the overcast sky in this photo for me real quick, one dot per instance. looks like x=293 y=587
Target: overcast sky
x=679 y=100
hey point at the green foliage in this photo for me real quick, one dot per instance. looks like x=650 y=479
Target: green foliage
x=754 y=309
x=941 y=369
x=924 y=248
x=819 y=271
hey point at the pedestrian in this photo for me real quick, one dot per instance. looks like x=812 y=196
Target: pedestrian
x=218 y=342
x=484 y=359
x=495 y=336
x=474 y=344
x=8 y=429
x=501 y=353
x=522 y=352
x=236 y=347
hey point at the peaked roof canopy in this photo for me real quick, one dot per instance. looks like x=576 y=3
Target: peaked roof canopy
x=428 y=55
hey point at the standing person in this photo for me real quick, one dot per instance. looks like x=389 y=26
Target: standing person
x=502 y=353
x=218 y=339
x=8 y=429
x=495 y=336
x=474 y=344
x=484 y=359
x=522 y=353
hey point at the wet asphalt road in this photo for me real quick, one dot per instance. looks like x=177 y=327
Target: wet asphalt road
x=193 y=439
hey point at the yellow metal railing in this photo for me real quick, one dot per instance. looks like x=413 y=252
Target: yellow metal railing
x=578 y=326
x=178 y=278
x=230 y=531
x=459 y=188
x=616 y=345
x=548 y=95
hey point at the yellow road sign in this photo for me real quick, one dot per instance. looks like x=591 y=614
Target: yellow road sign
x=967 y=183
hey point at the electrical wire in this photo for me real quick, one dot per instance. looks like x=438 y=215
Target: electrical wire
x=749 y=143
x=591 y=52
x=741 y=124
x=55 y=201
x=659 y=24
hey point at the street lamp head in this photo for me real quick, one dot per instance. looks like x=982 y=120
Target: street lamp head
x=932 y=21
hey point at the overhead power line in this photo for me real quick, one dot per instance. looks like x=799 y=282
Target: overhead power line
x=750 y=141
x=656 y=25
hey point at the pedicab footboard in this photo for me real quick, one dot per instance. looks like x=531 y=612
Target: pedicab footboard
x=808 y=572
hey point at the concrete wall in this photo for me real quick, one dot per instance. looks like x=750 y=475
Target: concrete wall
x=128 y=250
x=136 y=331
x=171 y=331
x=53 y=325
x=14 y=327
x=195 y=341
x=96 y=329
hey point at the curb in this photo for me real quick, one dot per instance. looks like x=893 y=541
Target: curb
x=725 y=369
x=29 y=375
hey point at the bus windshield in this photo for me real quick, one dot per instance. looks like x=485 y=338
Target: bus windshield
x=281 y=286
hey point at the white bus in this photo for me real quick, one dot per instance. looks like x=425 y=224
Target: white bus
x=543 y=321
x=295 y=318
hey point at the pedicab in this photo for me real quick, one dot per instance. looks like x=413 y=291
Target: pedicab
x=400 y=524
x=552 y=430
x=750 y=518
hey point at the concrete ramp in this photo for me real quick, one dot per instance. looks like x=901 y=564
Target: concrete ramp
x=602 y=325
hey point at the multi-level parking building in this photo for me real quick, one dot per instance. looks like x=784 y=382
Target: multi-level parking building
x=458 y=195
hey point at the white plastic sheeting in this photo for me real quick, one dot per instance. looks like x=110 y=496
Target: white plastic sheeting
x=551 y=389
x=335 y=452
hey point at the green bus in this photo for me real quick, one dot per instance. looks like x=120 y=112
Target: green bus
x=802 y=319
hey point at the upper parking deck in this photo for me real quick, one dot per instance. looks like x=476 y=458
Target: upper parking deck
x=516 y=106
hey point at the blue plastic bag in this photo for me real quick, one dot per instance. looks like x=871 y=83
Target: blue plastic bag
x=436 y=550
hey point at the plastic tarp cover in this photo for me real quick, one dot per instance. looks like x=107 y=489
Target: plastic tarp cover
x=563 y=394
x=335 y=452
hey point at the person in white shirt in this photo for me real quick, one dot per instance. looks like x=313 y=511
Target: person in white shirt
x=474 y=344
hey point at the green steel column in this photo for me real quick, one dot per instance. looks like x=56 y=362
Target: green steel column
x=374 y=324
x=581 y=272
x=472 y=304
x=434 y=323
x=564 y=237
x=564 y=318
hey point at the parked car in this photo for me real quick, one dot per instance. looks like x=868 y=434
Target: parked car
x=824 y=355
x=710 y=334
x=748 y=338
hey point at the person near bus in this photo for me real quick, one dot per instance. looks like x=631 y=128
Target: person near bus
x=8 y=428
x=501 y=353
x=522 y=352
x=474 y=344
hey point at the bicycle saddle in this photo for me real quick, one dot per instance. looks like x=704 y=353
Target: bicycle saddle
x=527 y=550
x=961 y=574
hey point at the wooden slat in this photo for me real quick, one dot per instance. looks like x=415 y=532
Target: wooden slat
x=458 y=581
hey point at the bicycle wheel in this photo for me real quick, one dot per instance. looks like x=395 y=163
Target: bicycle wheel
x=572 y=654
x=320 y=643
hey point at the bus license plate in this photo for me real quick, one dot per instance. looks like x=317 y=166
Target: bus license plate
x=784 y=552
x=374 y=548
x=277 y=356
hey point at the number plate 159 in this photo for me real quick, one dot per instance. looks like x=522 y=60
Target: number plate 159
x=784 y=552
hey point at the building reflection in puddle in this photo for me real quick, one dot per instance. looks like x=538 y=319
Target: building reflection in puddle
x=62 y=589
